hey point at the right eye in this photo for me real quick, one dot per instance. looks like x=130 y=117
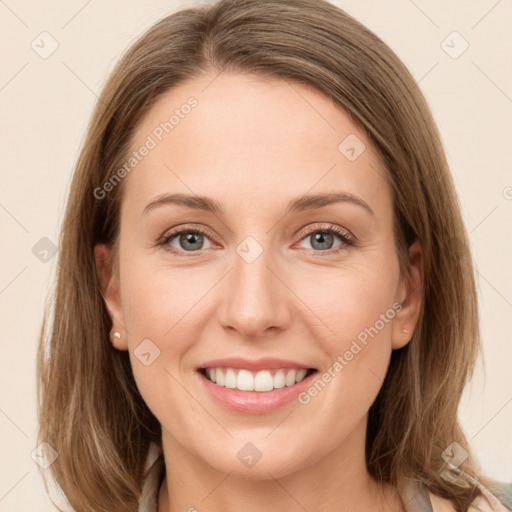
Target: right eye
x=181 y=241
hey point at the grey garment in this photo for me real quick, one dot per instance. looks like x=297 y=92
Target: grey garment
x=503 y=492
x=415 y=496
x=155 y=471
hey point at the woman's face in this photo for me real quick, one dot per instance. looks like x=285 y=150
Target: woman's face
x=239 y=278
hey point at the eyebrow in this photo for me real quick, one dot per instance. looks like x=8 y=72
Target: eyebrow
x=298 y=204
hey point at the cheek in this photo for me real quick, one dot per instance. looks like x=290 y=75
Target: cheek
x=159 y=301
x=164 y=311
x=349 y=301
x=357 y=305
x=159 y=305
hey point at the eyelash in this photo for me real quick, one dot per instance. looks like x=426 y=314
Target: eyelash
x=347 y=240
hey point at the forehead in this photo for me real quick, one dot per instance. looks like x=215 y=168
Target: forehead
x=251 y=142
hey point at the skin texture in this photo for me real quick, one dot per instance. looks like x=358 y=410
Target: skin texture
x=253 y=145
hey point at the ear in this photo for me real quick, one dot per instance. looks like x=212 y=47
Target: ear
x=410 y=293
x=109 y=282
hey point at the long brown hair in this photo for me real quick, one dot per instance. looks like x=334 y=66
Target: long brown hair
x=90 y=409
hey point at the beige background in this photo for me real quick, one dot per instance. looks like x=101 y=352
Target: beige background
x=46 y=103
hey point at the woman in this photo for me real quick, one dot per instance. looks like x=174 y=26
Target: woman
x=261 y=370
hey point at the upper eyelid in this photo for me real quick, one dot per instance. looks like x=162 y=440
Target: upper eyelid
x=325 y=226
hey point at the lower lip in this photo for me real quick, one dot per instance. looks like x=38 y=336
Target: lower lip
x=255 y=402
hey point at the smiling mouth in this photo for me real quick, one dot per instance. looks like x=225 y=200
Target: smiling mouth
x=261 y=381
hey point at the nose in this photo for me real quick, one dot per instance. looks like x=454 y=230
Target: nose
x=256 y=301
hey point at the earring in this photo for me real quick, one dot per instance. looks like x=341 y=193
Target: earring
x=116 y=335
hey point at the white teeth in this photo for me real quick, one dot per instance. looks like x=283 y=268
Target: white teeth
x=279 y=379
x=264 y=380
x=219 y=375
x=300 y=375
x=230 y=380
x=290 y=377
x=245 y=381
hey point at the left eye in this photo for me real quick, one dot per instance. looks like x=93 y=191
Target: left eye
x=323 y=239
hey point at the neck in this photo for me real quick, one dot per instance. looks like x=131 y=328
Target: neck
x=339 y=481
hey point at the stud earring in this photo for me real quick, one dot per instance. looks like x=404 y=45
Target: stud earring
x=116 y=335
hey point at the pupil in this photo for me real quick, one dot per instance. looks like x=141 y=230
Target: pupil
x=321 y=238
x=188 y=240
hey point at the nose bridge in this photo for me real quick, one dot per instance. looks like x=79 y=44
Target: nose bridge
x=255 y=299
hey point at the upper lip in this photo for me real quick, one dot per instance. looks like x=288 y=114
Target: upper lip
x=265 y=363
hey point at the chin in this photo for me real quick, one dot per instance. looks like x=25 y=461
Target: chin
x=259 y=460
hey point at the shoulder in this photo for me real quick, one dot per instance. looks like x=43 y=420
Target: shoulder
x=154 y=473
x=417 y=498
x=485 y=503
x=497 y=499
